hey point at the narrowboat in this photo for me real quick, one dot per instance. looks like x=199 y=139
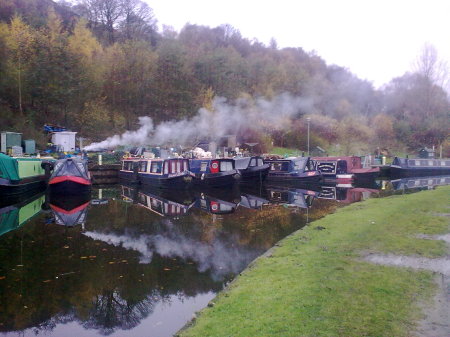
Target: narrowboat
x=70 y=210
x=70 y=176
x=157 y=172
x=291 y=197
x=420 y=183
x=251 y=168
x=21 y=175
x=167 y=203
x=14 y=216
x=293 y=171
x=218 y=172
x=344 y=169
x=417 y=167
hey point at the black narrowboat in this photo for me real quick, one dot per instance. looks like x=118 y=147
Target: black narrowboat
x=418 y=167
x=162 y=173
x=70 y=176
x=293 y=170
x=218 y=172
x=251 y=168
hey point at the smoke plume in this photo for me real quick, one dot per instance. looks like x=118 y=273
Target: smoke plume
x=223 y=119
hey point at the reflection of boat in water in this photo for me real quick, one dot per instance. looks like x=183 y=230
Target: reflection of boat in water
x=13 y=216
x=217 y=201
x=405 y=167
x=345 y=194
x=291 y=196
x=159 y=201
x=420 y=182
x=70 y=210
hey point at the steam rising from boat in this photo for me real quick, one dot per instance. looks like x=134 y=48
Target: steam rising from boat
x=222 y=119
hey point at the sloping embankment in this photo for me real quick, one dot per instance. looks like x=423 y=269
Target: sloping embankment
x=316 y=282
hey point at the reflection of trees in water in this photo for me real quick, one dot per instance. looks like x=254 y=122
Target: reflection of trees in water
x=111 y=312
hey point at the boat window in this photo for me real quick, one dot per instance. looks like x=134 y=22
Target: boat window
x=156 y=167
x=204 y=166
x=253 y=162
x=299 y=165
x=185 y=165
x=260 y=162
x=276 y=167
x=166 y=167
x=430 y=163
x=143 y=166
x=178 y=166
x=226 y=166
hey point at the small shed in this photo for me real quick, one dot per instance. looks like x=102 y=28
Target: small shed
x=29 y=146
x=65 y=139
x=9 y=139
x=317 y=152
x=426 y=152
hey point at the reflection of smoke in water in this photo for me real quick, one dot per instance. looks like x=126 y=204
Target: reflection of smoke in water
x=224 y=119
x=221 y=257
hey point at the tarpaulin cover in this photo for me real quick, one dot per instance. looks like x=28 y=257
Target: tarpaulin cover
x=71 y=167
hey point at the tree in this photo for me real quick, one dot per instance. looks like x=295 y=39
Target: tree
x=20 y=42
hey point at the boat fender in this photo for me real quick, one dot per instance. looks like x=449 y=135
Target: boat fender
x=203 y=176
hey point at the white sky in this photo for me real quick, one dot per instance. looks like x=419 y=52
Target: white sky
x=377 y=39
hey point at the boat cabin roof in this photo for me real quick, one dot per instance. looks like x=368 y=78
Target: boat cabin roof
x=241 y=163
x=352 y=161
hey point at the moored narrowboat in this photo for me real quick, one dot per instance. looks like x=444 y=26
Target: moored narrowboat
x=20 y=175
x=420 y=183
x=218 y=172
x=418 y=167
x=344 y=169
x=157 y=172
x=251 y=168
x=70 y=176
x=295 y=170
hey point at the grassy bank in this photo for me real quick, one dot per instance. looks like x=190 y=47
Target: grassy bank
x=315 y=283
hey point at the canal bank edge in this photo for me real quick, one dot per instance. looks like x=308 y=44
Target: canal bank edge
x=316 y=282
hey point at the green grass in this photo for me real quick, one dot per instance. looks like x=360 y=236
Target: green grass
x=287 y=152
x=316 y=284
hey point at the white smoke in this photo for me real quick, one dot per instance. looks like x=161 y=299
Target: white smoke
x=224 y=119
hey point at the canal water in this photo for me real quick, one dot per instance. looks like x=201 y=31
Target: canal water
x=124 y=261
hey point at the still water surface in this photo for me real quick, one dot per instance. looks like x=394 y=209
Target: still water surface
x=137 y=262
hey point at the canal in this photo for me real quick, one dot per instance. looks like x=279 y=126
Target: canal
x=124 y=261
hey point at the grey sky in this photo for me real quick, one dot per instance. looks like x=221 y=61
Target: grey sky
x=376 y=40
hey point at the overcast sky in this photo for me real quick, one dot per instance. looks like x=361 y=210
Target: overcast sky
x=376 y=40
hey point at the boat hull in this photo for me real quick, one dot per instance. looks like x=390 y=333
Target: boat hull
x=301 y=178
x=400 y=172
x=24 y=186
x=254 y=173
x=182 y=181
x=221 y=179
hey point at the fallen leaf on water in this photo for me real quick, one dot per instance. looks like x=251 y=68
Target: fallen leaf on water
x=92 y=256
x=83 y=257
x=46 y=281
x=120 y=276
x=2 y=277
x=69 y=237
x=104 y=249
x=124 y=261
x=166 y=268
x=66 y=247
x=20 y=265
x=111 y=262
x=25 y=307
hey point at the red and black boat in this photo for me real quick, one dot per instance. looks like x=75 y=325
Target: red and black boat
x=344 y=169
x=70 y=176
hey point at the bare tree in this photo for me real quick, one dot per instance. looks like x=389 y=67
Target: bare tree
x=431 y=67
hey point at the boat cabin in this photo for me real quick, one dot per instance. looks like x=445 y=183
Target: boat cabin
x=211 y=165
x=156 y=166
x=299 y=164
x=331 y=166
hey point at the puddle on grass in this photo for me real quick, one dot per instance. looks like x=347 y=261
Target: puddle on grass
x=440 y=265
x=443 y=237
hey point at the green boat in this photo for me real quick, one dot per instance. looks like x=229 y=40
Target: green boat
x=20 y=175
x=14 y=216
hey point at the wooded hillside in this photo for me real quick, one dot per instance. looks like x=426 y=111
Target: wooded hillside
x=95 y=66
